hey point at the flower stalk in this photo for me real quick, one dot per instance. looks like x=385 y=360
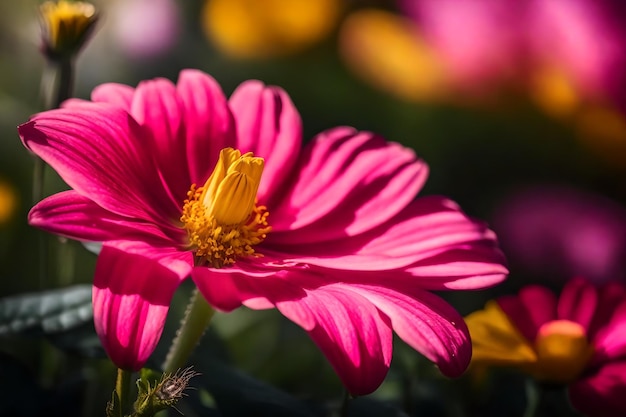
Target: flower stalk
x=197 y=318
x=533 y=398
x=122 y=390
x=65 y=28
x=62 y=71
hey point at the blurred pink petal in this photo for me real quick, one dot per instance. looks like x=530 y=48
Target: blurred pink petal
x=534 y=306
x=146 y=28
x=479 y=39
x=578 y=302
x=601 y=393
x=560 y=232
x=485 y=42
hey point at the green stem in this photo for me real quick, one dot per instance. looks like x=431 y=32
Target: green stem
x=345 y=404
x=66 y=256
x=64 y=83
x=39 y=173
x=122 y=389
x=197 y=317
x=533 y=398
x=55 y=89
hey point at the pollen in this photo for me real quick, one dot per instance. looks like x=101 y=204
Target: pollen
x=222 y=218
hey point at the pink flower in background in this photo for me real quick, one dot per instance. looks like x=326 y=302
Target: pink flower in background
x=492 y=40
x=559 y=232
x=145 y=28
x=177 y=181
x=576 y=340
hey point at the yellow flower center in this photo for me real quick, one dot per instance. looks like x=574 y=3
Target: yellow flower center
x=562 y=351
x=222 y=219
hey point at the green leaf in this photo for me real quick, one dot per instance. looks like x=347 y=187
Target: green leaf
x=81 y=340
x=48 y=312
x=238 y=394
x=369 y=407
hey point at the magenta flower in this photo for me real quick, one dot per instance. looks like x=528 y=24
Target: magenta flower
x=576 y=340
x=177 y=181
x=484 y=41
x=558 y=232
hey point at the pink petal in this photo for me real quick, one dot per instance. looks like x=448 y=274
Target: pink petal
x=133 y=288
x=100 y=152
x=476 y=266
x=601 y=393
x=426 y=228
x=534 y=306
x=610 y=297
x=158 y=109
x=116 y=94
x=609 y=342
x=425 y=322
x=71 y=215
x=209 y=124
x=578 y=302
x=269 y=125
x=228 y=289
x=353 y=334
x=306 y=296
x=348 y=182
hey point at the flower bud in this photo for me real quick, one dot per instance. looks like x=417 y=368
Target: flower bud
x=156 y=394
x=66 y=25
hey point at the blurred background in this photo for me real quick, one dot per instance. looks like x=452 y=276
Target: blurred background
x=517 y=106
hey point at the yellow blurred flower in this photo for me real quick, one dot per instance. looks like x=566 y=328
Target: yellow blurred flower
x=8 y=202
x=495 y=339
x=257 y=29
x=385 y=50
x=559 y=353
x=554 y=92
x=66 y=25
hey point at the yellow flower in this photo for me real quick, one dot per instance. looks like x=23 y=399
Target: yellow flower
x=8 y=202
x=257 y=29
x=385 y=50
x=66 y=26
x=554 y=91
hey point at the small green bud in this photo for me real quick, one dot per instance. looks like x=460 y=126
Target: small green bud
x=166 y=392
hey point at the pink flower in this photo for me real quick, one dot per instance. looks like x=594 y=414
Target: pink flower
x=346 y=252
x=145 y=28
x=492 y=40
x=558 y=232
x=577 y=340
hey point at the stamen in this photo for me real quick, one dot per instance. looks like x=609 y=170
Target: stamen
x=222 y=219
